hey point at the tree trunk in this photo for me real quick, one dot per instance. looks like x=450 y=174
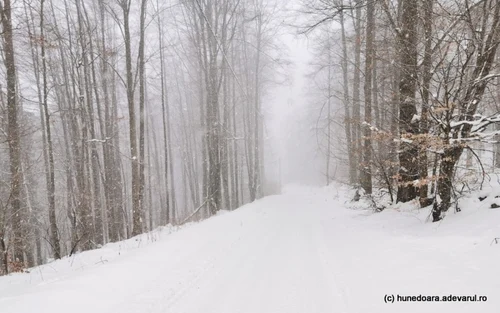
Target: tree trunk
x=424 y=119
x=408 y=155
x=329 y=111
x=347 y=115
x=13 y=136
x=445 y=182
x=258 y=123
x=142 y=98
x=356 y=113
x=134 y=152
x=365 y=173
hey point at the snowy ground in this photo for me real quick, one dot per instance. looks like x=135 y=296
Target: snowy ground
x=302 y=251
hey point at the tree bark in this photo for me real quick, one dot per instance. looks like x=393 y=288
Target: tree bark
x=142 y=86
x=356 y=113
x=347 y=114
x=134 y=151
x=408 y=155
x=13 y=135
x=426 y=85
x=365 y=173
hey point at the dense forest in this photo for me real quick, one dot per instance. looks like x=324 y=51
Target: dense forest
x=414 y=87
x=117 y=117
x=120 y=116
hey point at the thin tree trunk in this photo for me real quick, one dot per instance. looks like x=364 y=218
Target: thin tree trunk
x=356 y=138
x=258 y=131
x=347 y=115
x=164 y=104
x=426 y=85
x=54 y=234
x=236 y=195
x=99 y=208
x=142 y=86
x=134 y=157
x=365 y=173
x=329 y=112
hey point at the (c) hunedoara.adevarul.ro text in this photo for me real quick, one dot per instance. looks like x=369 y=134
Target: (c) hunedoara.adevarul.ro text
x=390 y=298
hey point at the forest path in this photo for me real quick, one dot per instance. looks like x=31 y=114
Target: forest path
x=296 y=252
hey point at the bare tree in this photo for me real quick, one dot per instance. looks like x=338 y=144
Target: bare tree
x=14 y=139
x=365 y=173
x=408 y=156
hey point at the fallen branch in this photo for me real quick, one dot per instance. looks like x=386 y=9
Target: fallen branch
x=194 y=212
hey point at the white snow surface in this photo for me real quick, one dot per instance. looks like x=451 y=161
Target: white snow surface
x=303 y=251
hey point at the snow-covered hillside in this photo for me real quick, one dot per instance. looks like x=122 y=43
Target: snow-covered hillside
x=302 y=251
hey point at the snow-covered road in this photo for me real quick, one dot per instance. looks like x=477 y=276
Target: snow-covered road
x=297 y=252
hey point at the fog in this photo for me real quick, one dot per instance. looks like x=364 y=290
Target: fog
x=133 y=115
x=249 y=155
x=291 y=135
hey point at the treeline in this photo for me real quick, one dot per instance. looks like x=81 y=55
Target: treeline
x=119 y=116
x=413 y=85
